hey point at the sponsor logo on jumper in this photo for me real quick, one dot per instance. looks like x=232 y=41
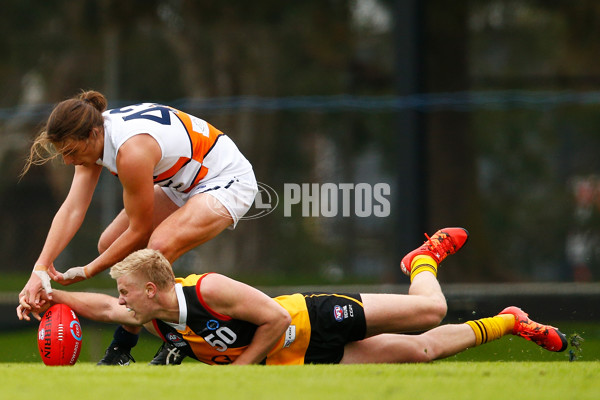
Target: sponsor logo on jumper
x=290 y=336
x=212 y=324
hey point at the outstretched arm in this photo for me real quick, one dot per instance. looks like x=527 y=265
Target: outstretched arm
x=94 y=306
x=65 y=225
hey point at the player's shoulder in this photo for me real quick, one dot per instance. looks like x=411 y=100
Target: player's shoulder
x=213 y=285
x=206 y=280
x=190 y=280
x=131 y=108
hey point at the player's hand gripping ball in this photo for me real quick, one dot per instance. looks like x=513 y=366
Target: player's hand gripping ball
x=59 y=336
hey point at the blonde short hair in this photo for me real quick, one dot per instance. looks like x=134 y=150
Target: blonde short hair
x=151 y=264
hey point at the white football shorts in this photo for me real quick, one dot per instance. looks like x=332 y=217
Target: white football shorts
x=235 y=186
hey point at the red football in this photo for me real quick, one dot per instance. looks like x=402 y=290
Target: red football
x=59 y=336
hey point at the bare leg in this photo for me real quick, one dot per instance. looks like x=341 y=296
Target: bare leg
x=201 y=218
x=176 y=230
x=423 y=308
x=440 y=342
x=163 y=207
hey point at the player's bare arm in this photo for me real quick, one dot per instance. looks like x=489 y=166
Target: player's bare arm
x=65 y=224
x=243 y=302
x=96 y=306
x=135 y=163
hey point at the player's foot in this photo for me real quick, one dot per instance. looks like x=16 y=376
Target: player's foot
x=116 y=356
x=444 y=242
x=546 y=336
x=168 y=354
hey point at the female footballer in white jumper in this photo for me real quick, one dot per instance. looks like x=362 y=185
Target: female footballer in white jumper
x=183 y=182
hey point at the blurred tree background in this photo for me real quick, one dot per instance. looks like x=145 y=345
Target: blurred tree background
x=480 y=114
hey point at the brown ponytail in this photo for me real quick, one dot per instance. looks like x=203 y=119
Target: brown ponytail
x=71 y=120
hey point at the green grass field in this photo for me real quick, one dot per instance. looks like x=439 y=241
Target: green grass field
x=508 y=368
x=439 y=380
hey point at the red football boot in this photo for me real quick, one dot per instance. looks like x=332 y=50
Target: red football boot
x=444 y=242
x=546 y=336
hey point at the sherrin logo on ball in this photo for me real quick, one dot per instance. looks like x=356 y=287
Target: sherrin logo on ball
x=59 y=336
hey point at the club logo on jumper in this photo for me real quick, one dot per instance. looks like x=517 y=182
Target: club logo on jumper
x=212 y=324
x=338 y=313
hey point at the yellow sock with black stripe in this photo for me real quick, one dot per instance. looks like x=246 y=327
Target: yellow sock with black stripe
x=488 y=329
x=422 y=263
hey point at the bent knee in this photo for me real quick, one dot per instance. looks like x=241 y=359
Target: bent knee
x=440 y=309
x=435 y=313
x=166 y=247
x=158 y=244
x=103 y=243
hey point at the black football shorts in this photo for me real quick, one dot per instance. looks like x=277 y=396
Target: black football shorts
x=335 y=319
